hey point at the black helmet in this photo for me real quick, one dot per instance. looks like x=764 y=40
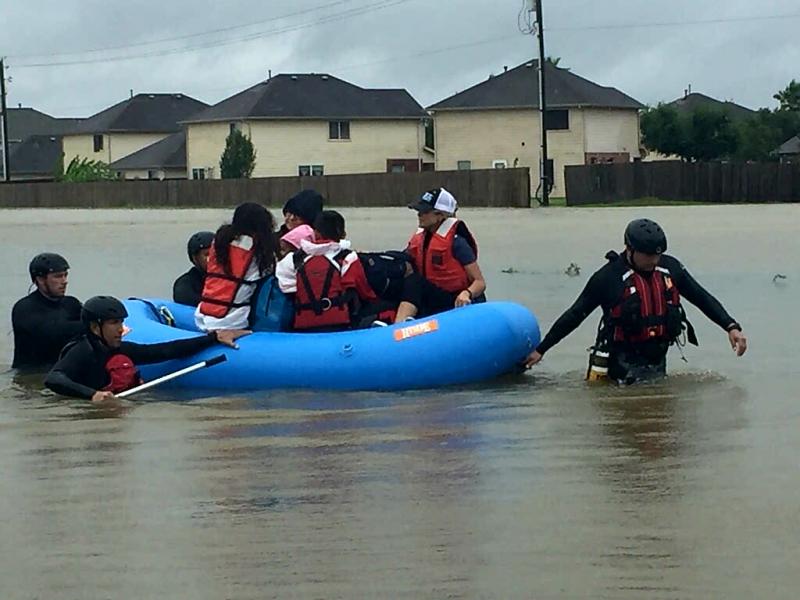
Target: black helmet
x=199 y=241
x=644 y=235
x=102 y=308
x=45 y=263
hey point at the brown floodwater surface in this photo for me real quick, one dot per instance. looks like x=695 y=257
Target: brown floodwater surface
x=538 y=486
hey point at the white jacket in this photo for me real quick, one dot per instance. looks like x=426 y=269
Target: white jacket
x=286 y=274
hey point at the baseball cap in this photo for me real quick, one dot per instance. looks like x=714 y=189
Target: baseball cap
x=438 y=199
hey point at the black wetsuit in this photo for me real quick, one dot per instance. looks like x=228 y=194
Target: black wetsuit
x=605 y=289
x=188 y=287
x=42 y=326
x=81 y=371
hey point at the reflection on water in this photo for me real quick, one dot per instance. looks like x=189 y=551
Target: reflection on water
x=538 y=486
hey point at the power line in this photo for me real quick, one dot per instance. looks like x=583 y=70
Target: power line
x=676 y=23
x=354 y=12
x=184 y=37
x=238 y=86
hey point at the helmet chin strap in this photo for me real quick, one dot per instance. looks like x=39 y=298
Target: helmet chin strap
x=44 y=291
x=100 y=334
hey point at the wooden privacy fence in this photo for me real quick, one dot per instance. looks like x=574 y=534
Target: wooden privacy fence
x=676 y=180
x=488 y=187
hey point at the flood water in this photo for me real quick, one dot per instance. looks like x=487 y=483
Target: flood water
x=533 y=487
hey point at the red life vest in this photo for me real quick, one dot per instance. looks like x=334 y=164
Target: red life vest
x=123 y=374
x=320 y=300
x=641 y=314
x=219 y=287
x=435 y=261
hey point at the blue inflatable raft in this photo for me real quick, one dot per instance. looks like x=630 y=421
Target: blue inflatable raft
x=465 y=345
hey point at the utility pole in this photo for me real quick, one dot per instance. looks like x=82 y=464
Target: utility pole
x=4 y=111
x=544 y=180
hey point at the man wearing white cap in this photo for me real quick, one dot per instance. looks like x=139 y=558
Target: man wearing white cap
x=445 y=258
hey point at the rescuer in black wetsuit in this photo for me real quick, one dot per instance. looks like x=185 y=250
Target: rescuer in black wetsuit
x=99 y=364
x=189 y=286
x=46 y=319
x=639 y=292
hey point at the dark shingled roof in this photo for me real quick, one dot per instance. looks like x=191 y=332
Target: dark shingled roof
x=312 y=96
x=145 y=113
x=519 y=88
x=696 y=100
x=24 y=122
x=37 y=155
x=790 y=146
x=169 y=153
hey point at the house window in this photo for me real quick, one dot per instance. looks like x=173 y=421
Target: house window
x=198 y=173
x=555 y=120
x=98 y=143
x=234 y=127
x=464 y=165
x=152 y=174
x=499 y=164
x=310 y=170
x=429 y=134
x=339 y=130
x=398 y=168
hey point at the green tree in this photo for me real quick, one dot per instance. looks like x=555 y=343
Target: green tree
x=789 y=97
x=702 y=134
x=710 y=135
x=82 y=170
x=239 y=158
x=760 y=135
x=662 y=130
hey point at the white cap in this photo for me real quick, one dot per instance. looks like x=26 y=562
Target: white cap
x=439 y=199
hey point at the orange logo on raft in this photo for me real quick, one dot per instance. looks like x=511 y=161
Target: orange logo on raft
x=416 y=329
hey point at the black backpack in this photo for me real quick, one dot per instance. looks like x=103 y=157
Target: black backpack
x=385 y=272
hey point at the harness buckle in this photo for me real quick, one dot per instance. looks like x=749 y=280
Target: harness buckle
x=326 y=303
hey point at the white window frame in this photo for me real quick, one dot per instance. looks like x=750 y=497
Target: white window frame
x=464 y=165
x=339 y=137
x=198 y=174
x=500 y=163
x=312 y=167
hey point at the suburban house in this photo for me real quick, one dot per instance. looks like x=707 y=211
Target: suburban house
x=35 y=143
x=312 y=124
x=129 y=126
x=789 y=151
x=496 y=123
x=166 y=159
x=38 y=158
x=692 y=101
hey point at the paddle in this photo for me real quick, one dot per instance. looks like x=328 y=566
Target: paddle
x=201 y=365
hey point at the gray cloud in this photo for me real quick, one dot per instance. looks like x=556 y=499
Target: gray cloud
x=392 y=46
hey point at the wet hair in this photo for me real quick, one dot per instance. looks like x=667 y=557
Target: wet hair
x=329 y=224
x=256 y=221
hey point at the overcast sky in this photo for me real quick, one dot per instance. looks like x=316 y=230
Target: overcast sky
x=649 y=49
